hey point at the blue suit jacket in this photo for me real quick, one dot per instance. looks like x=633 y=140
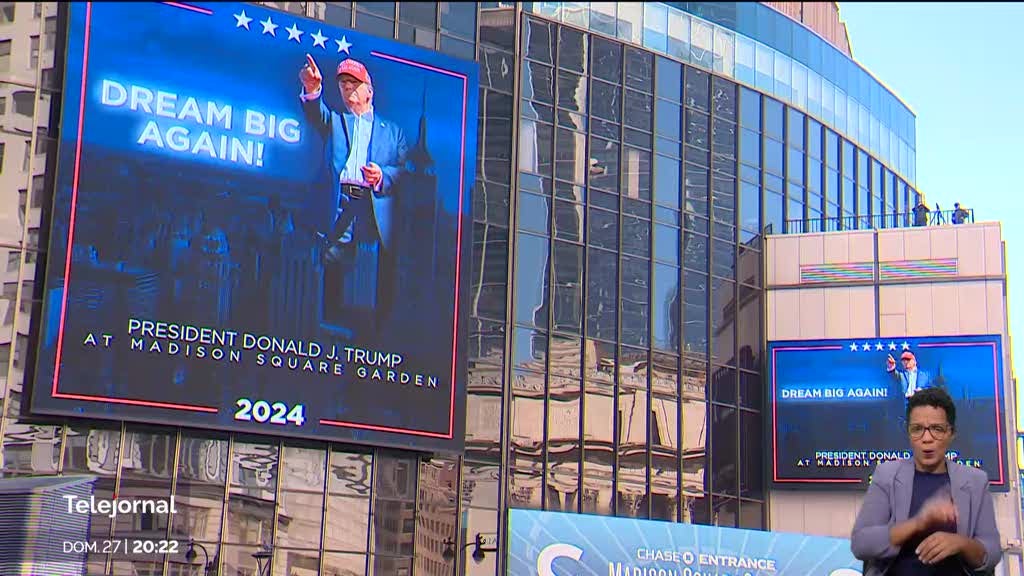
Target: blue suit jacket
x=924 y=379
x=887 y=503
x=388 y=149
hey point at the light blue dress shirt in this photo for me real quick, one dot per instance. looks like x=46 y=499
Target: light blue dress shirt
x=359 y=147
x=911 y=382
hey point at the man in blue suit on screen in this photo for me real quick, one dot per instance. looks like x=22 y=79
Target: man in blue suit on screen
x=367 y=155
x=908 y=377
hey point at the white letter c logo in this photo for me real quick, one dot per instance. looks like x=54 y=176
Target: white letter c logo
x=549 y=554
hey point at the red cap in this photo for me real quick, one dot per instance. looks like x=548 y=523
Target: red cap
x=355 y=69
x=908 y=355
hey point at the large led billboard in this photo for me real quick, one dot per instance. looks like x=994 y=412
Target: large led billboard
x=260 y=223
x=839 y=406
x=557 y=543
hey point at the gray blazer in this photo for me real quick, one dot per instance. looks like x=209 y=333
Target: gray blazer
x=887 y=503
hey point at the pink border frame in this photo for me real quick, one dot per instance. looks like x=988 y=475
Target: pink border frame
x=775 y=451
x=209 y=409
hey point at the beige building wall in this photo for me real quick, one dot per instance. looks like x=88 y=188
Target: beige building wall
x=962 y=292
x=28 y=32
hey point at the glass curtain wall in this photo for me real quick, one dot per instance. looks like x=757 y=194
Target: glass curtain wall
x=630 y=255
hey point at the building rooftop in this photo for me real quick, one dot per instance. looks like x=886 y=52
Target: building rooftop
x=926 y=217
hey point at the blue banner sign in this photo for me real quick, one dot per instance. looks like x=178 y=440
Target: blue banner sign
x=261 y=224
x=838 y=407
x=560 y=544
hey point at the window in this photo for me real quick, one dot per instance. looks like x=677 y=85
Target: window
x=26 y=161
x=24 y=103
x=5 y=55
x=422 y=14
x=814 y=139
x=376 y=18
x=2 y=147
x=417 y=23
x=458 y=19
x=338 y=13
x=3 y=105
x=33 y=53
x=795 y=128
x=50 y=33
x=42 y=139
x=38 y=185
x=7 y=12
x=773 y=118
x=750 y=109
x=293 y=7
x=10 y=294
x=37 y=9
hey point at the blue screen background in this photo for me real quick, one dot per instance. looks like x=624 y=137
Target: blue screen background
x=168 y=235
x=967 y=369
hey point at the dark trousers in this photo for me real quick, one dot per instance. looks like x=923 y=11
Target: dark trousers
x=386 y=279
x=359 y=288
x=359 y=275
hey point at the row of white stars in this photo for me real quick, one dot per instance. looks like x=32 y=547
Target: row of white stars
x=878 y=346
x=242 y=21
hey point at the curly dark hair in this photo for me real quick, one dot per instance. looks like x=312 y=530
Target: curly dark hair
x=936 y=398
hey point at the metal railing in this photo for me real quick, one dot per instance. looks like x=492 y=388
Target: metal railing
x=880 y=221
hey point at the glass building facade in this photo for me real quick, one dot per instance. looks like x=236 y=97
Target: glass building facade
x=631 y=159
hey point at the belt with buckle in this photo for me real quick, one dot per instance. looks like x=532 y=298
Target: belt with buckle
x=355 y=191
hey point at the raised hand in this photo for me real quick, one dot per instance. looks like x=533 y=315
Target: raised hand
x=310 y=76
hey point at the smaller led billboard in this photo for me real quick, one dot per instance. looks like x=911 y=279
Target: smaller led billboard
x=558 y=543
x=839 y=406
x=260 y=224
